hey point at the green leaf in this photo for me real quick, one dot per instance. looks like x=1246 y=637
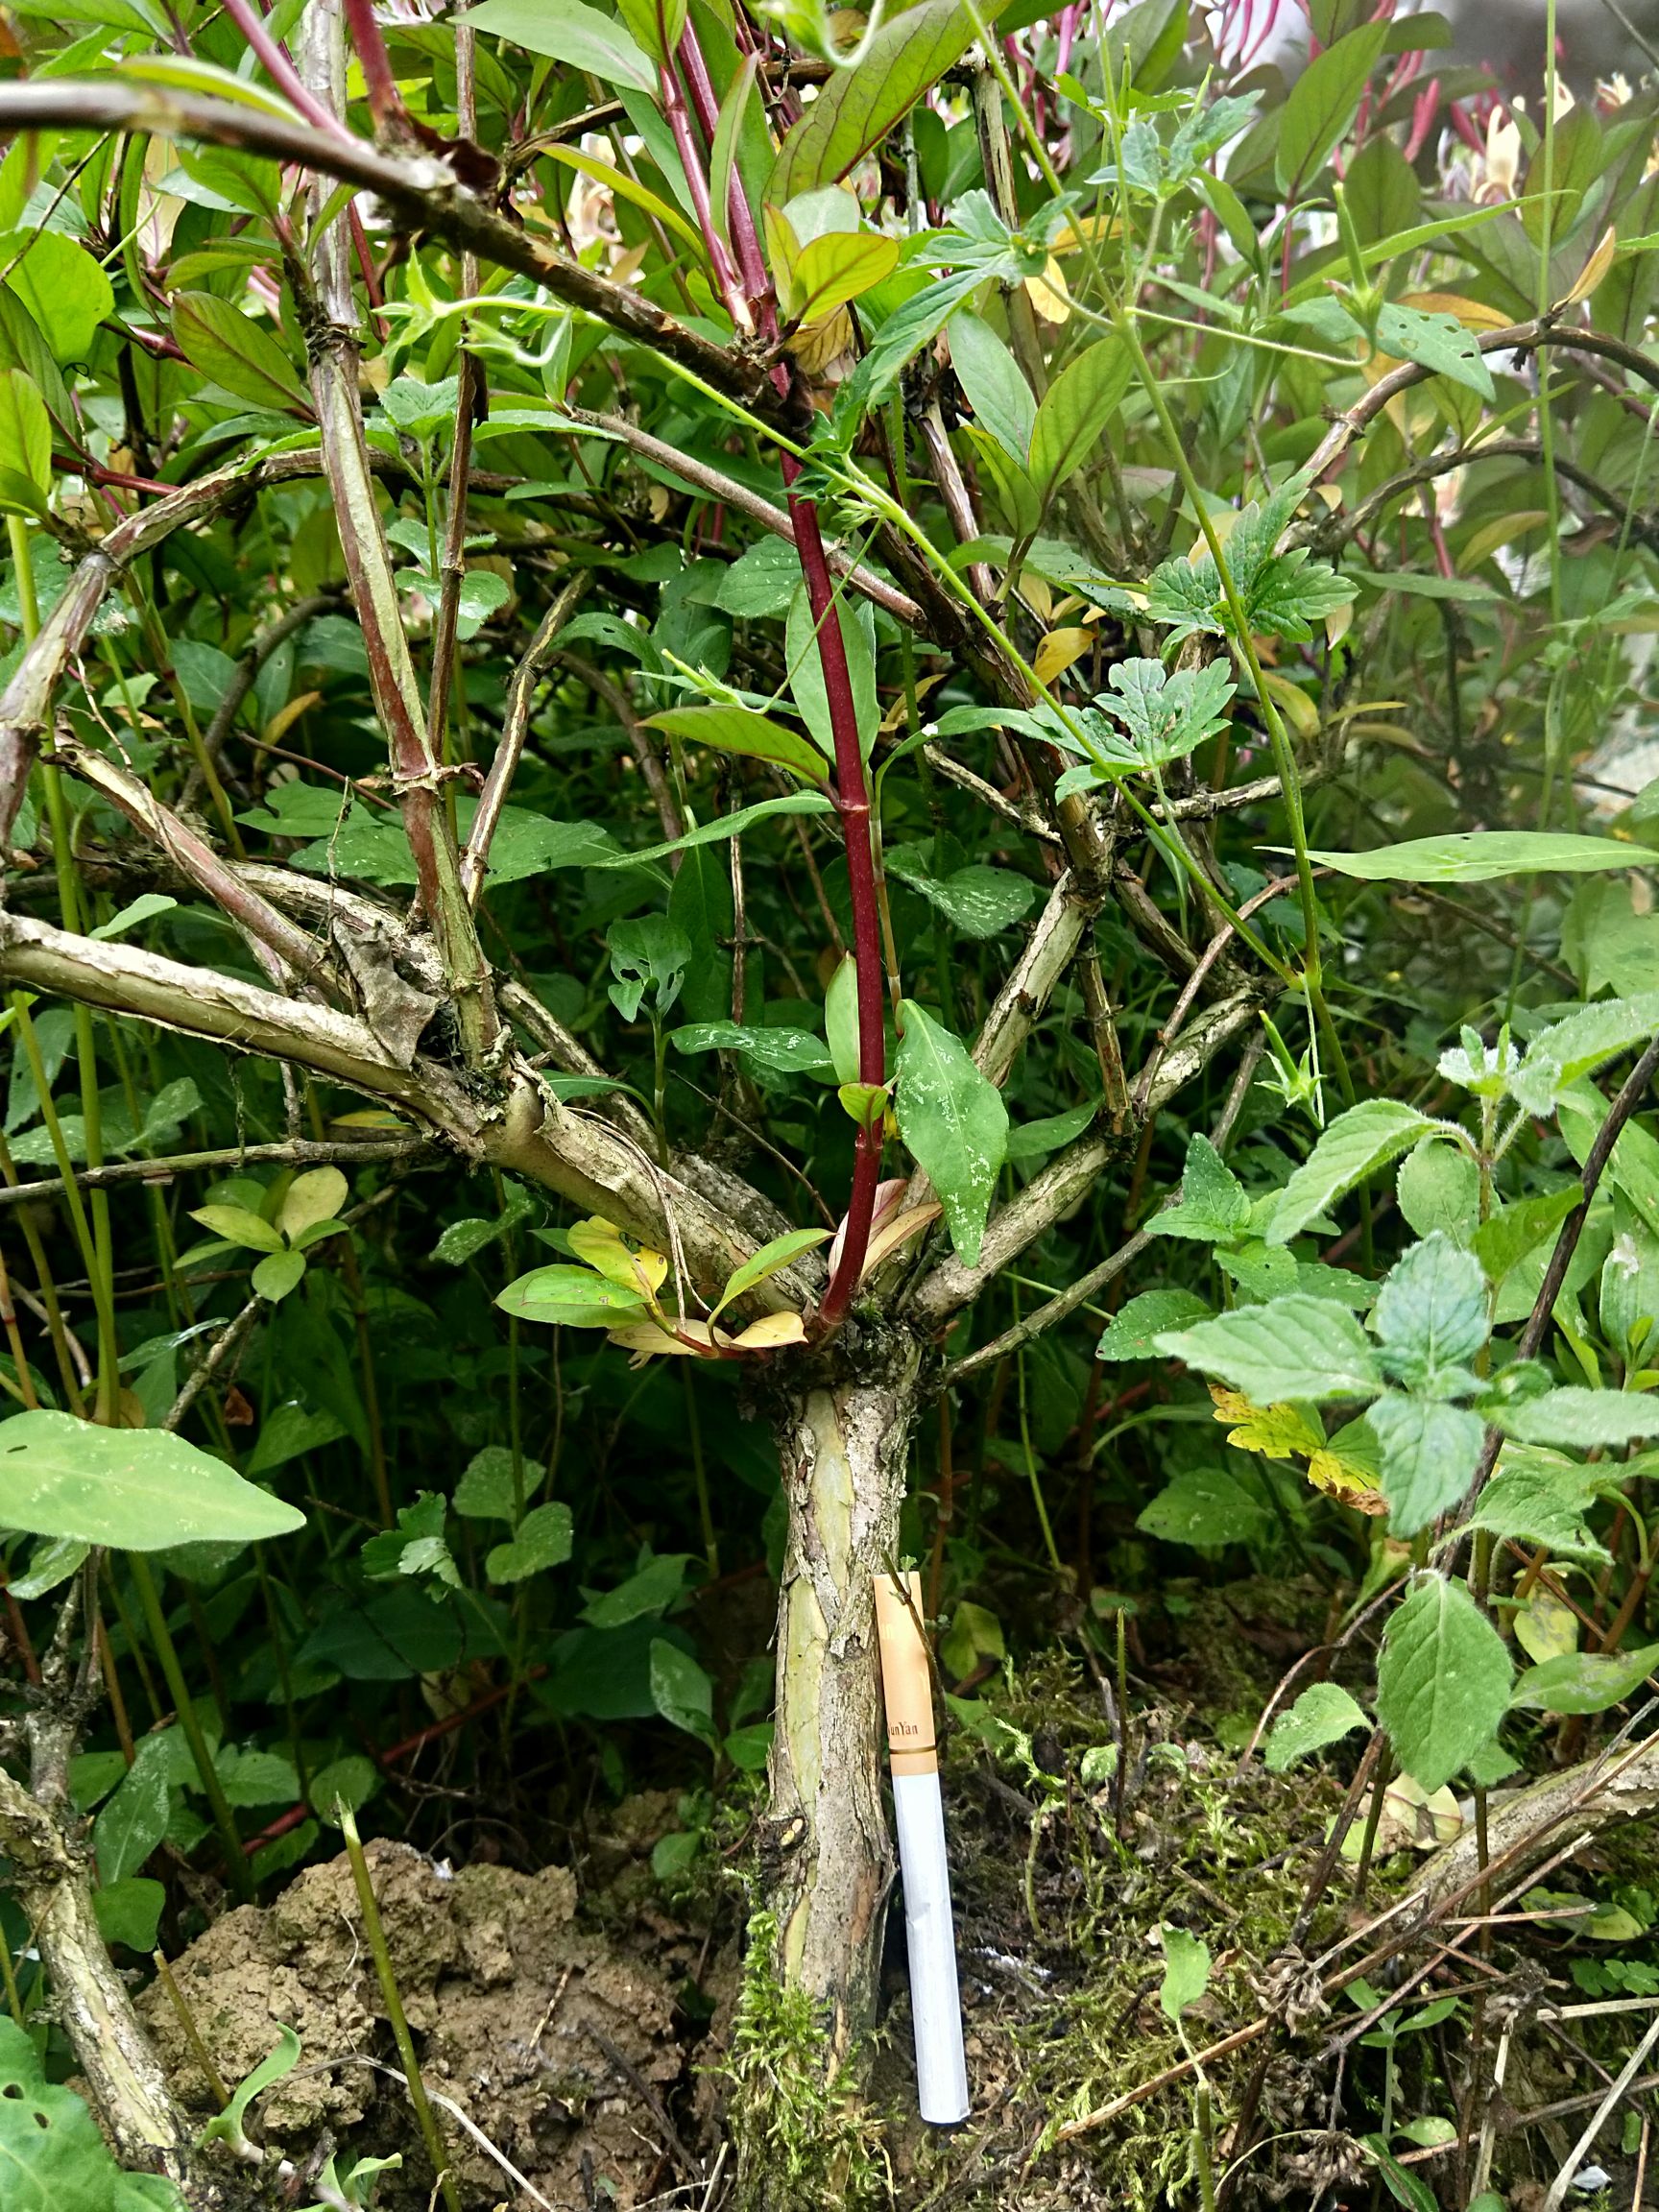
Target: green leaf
x=856 y=109
x=954 y=1122
x=1431 y=1313
x=806 y=686
x=716 y=833
x=1428 y=1452
x=288 y=1433
x=1505 y=1238
x=995 y=385
x=253 y=1778
x=1075 y=410
x=680 y=1691
x=313 y=1197
x=228 y=2125
x=132 y=1822
x=416 y=1546
x=1541 y=1496
x=63 y=289
x=1321 y=106
x=544 y=1538
x=52 y=2156
x=1357 y=1143
x=1165 y=716
x=1585 y=1681
x=767 y=1262
x=1438 y=1187
x=1559 y=1056
x=236 y=353
x=1204 y=1506
x=1213 y=1206
x=750 y=1747
x=464 y=1239
x=570 y=1298
x=1436 y=341
x=1574 y=1416
x=1132 y=1334
x=1323 y=1714
x=485 y=1491
x=238 y=1225
x=1442 y=1682
x=651 y=1591
x=841 y=1020
x=582 y=37
x=1035 y=1139
x=786 y=1051
x=837 y=267
x=656 y=24
x=130 y=1913
x=740 y=729
x=25 y=445
x=131 y=1489
x=350 y=1782
x=279 y=1273
x=1295 y=1348
x=1484 y=856
x=1186 y=1972
x=981 y=902
x=143 y=908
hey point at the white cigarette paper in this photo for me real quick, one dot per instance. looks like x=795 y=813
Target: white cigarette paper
x=930 y=1929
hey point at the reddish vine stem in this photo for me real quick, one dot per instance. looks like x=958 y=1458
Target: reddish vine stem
x=853 y=802
x=379 y=80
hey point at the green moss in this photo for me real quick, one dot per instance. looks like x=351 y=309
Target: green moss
x=803 y=2140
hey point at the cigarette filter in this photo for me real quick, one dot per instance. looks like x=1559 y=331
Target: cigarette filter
x=931 y=1933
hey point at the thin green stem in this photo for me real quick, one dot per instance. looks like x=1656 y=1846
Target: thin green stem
x=237 y=1869
x=376 y=1933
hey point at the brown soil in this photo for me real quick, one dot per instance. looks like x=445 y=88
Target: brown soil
x=556 y=2044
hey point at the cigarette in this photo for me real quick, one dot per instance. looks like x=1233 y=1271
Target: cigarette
x=930 y=1929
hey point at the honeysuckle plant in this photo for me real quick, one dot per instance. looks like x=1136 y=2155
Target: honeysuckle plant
x=821 y=651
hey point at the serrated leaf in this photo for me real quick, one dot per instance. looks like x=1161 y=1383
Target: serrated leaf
x=1428 y=1453
x=131 y=1489
x=954 y=1123
x=1356 y=1144
x=1505 y=1238
x=1133 y=1333
x=1443 y=1680
x=1585 y=1681
x=1213 y=1208
x=1541 y=1496
x=1438 y=1187
x=1431 y=1312
x=486 y=1491
x=1575 y=1416
x=1323 y=1714
x=1297 y=1347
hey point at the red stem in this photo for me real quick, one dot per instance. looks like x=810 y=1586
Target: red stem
x=750 y=258
x=853 y=802
x=279 y=69
x=726 y=277
x=385 y=101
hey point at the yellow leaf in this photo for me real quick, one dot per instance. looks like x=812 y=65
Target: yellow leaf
x=895 y=1231
x=1276 y=1431
x=818 y=345
x=1048 y=294
x=1294 y=704
x=772 y=1332
x=285 y=717
x=600 y=1244
x=1503 y=531
x=647 y=1340
x=1546 y=1627
x=1350 y=1486
x=1058 y=650
x=1472 y=314
x=1595 y=268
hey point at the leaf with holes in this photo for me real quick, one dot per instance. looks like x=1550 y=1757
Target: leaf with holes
x=52 y=2156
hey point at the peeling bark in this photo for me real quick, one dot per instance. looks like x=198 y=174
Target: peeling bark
x=844 y=1451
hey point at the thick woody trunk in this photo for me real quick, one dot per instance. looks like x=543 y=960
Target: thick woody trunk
x=844 y=1448
x=123 y=2075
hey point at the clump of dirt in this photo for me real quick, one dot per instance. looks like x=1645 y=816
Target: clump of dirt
x=555 y=2044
